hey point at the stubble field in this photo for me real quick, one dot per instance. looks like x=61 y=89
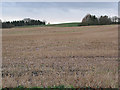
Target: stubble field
x=70 y=56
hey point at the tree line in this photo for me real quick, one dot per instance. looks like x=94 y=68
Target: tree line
x=28 y=22
x=102 y=20
x=87 y=20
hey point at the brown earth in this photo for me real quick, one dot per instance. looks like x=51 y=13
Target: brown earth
x=70 y=56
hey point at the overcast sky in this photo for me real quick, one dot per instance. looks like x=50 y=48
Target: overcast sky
x=57 y=12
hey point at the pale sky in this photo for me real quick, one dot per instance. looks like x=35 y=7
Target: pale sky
x=56 y=12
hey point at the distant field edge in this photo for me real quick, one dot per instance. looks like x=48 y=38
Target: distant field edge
x=74 y=24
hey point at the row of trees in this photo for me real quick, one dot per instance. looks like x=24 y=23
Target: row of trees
x=87 y=20
x=102 y=20
x=0 y=24
x=11 y=24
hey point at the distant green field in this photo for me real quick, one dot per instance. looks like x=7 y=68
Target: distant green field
x=71 y=24
x=74 y=24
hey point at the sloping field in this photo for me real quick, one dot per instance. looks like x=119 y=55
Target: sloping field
x=72 y=24
x=70 y=56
